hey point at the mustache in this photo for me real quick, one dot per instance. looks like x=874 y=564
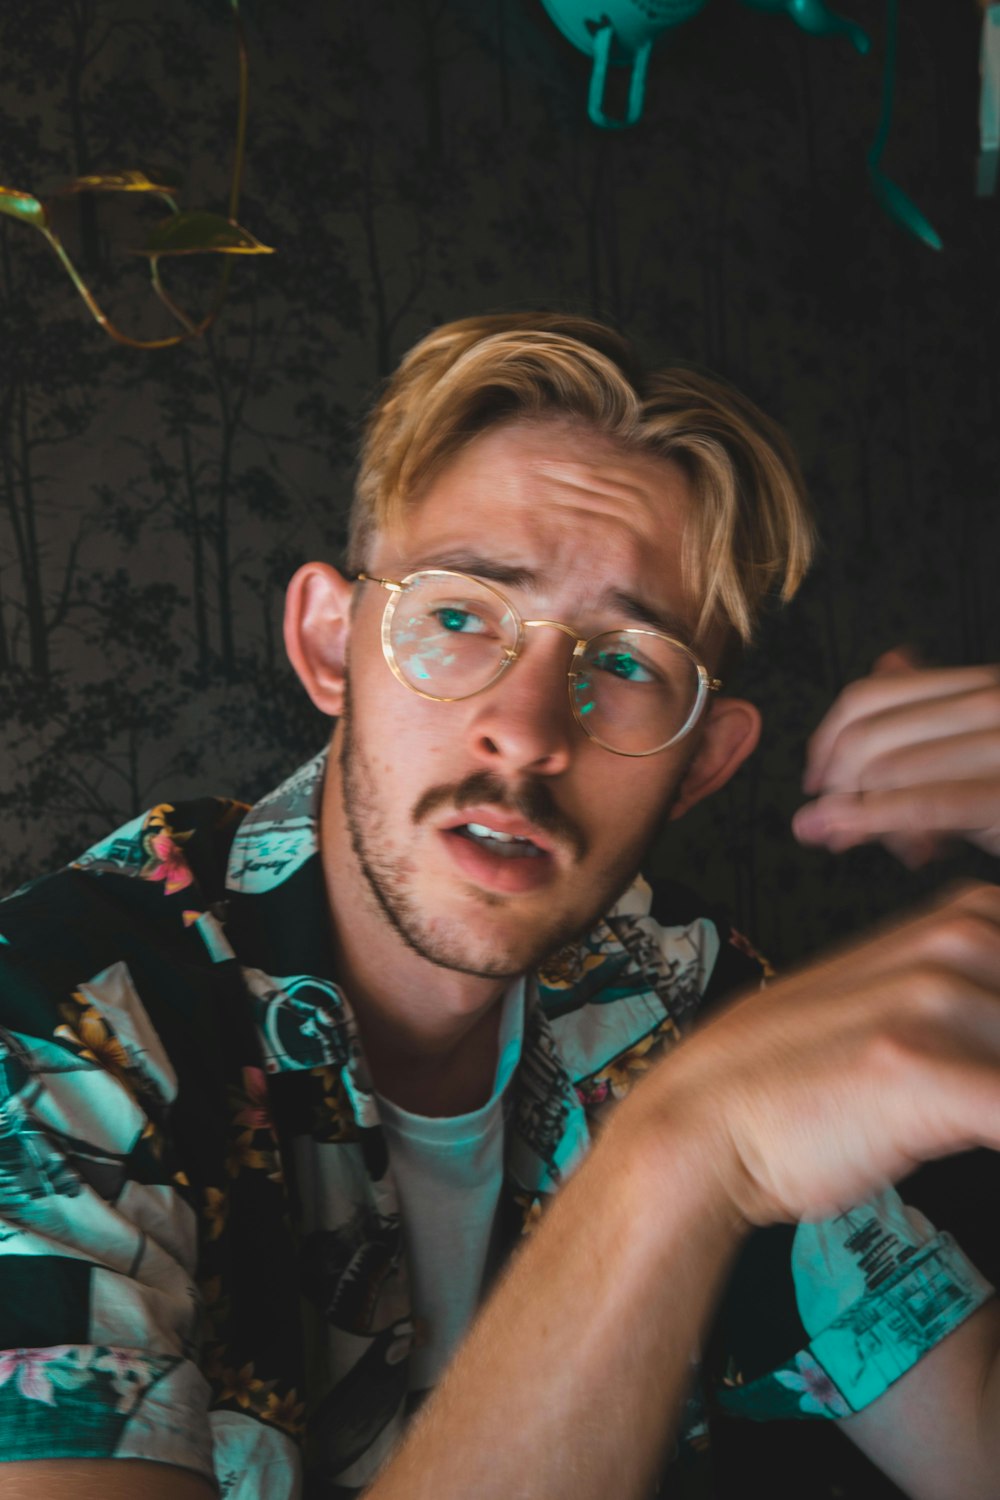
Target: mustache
x=533 y=802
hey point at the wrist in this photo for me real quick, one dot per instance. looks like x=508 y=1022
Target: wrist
x=679 y=1162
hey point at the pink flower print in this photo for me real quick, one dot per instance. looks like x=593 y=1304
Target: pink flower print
x=595 y=1092
x=173 y=868
x=817 y=1393
x=27 y=1367
x=256 y=1114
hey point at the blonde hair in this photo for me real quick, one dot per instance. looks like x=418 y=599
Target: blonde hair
x=751 y=534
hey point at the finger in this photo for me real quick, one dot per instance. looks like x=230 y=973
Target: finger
x=883 y=693
x=961 y=934
x=915 y=850
x=901 y=725
x=953 y=757
x=843 y=819
x=898 y=659
x=956 y=1077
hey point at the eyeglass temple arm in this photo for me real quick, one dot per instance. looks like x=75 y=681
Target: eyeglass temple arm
x=387 y=583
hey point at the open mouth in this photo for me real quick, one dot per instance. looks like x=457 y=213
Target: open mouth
x=498 y=859
x=506 y=845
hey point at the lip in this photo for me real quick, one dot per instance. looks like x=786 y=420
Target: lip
x=496 y=872
x=502 y=822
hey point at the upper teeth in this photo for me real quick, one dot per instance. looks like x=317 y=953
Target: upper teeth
x=482 y=832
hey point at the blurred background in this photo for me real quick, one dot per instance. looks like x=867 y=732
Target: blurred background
x=414 y=161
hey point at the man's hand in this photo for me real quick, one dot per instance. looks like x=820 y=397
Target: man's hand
x=842 y=1078
x=910 y=757
x=795 y=1102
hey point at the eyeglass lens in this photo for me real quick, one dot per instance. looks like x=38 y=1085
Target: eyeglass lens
x=451 y=637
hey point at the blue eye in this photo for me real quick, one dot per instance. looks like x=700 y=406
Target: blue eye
x=460 y=621
x=624 y=665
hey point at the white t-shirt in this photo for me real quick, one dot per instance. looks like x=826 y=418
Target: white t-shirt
x=448 y=1174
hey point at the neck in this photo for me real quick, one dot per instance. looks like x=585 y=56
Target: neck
x=429 y=1033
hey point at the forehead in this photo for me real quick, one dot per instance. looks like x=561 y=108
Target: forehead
x=555 y=498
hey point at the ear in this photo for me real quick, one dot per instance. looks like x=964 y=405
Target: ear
x=317 y=627
x=727 y=735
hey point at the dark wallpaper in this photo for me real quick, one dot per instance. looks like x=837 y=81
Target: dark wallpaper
x=415 y=160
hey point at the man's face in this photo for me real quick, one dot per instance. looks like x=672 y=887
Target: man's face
x=578 y=523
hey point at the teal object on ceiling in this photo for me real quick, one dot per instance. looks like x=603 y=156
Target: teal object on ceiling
x=814 y=17
x=622 y=33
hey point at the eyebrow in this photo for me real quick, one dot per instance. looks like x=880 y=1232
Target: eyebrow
x=631 y=606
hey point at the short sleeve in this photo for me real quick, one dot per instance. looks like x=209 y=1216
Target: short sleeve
x=875 y=1289
x=99 y=1316
x=98 y=1245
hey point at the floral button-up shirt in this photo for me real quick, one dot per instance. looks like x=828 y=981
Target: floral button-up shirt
x=201 y=1257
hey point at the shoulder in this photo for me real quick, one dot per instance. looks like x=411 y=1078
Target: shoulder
x=173 y=843
x=637 y=981
x=140 y=898
x=169 y=848
x=738 y=964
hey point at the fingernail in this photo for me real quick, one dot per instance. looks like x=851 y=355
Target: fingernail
x=809 y=823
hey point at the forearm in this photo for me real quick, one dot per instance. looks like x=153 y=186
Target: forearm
x=989 y=1409
x=99 y=1479
x=571 y=1381
x=936 y=1432
x=789 y=1105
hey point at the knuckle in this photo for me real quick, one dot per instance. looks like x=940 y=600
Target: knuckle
x=856 y=691
x=893 y=1051
x=932 y=996
x=992 y=696
x=848 y=704
x=846 y=752
x=958 y=933
x=851 y=736
x=931 y=1006
x=971 y=893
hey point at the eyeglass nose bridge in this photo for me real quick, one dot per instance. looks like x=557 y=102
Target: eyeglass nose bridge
x=556 y=625
x=511 y=653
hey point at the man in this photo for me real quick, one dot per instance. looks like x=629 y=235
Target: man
x=429 y=960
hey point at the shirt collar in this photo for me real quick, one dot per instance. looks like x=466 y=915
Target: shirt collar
x=279 y=924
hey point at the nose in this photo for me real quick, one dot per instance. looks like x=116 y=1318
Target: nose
x=524 y=723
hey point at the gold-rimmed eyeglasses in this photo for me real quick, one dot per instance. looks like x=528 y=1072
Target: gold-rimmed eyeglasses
x=448 y=636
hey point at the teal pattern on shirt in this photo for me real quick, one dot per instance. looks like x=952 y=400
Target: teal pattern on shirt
x=201 y=1256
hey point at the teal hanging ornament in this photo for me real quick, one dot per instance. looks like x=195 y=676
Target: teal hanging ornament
x=813 y=16
x=622 y=32
x=892 y=198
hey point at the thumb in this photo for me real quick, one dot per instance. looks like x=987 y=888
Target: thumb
x=897 y=659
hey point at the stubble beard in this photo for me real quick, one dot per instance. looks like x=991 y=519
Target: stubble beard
x=389 y=880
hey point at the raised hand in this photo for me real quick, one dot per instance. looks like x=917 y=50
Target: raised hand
x=843 y=1077
x=910 y=757
x=796 y=1102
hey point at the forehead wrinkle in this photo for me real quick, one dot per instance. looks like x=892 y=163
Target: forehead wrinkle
x=589 y=532
x=601 y=487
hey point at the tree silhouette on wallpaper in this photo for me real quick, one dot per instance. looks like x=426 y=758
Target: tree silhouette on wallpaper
x=421 y=160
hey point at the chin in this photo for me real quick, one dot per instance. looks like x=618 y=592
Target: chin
x=482 y=943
